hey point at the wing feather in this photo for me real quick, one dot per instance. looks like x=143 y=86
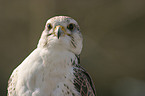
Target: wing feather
x=12 y=83
x=82 y=81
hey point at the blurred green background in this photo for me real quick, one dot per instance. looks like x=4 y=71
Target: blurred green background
x=114 y=39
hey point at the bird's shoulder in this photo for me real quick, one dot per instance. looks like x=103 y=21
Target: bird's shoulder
x=12 y=83
x=82 y=80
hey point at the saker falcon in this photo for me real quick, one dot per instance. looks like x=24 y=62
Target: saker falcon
x=53 y=68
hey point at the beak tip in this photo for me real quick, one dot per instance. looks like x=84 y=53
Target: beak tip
x=58 y=34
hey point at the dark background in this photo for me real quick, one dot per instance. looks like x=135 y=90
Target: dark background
x=114 y=39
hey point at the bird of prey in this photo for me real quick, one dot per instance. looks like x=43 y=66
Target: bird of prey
x=53 y=68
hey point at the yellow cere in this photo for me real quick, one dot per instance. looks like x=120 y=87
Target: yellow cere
x=63 y=29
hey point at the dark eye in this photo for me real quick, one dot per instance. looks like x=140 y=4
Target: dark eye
x=49 y=26
x=71 y=26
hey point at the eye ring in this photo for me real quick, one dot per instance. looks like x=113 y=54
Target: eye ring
x=71 y=26
x=49 y=26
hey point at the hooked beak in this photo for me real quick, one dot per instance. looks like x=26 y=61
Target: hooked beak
x=59 y=30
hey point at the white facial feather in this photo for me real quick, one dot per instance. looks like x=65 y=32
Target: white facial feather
x=72 y=43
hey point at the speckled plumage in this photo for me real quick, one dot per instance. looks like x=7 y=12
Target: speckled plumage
x=53 y=68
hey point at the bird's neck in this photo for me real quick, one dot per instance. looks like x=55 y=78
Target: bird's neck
x=58 y=57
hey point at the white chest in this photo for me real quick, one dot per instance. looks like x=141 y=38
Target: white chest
x=49 y=75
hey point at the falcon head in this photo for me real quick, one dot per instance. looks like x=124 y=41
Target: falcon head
x=63 y=33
